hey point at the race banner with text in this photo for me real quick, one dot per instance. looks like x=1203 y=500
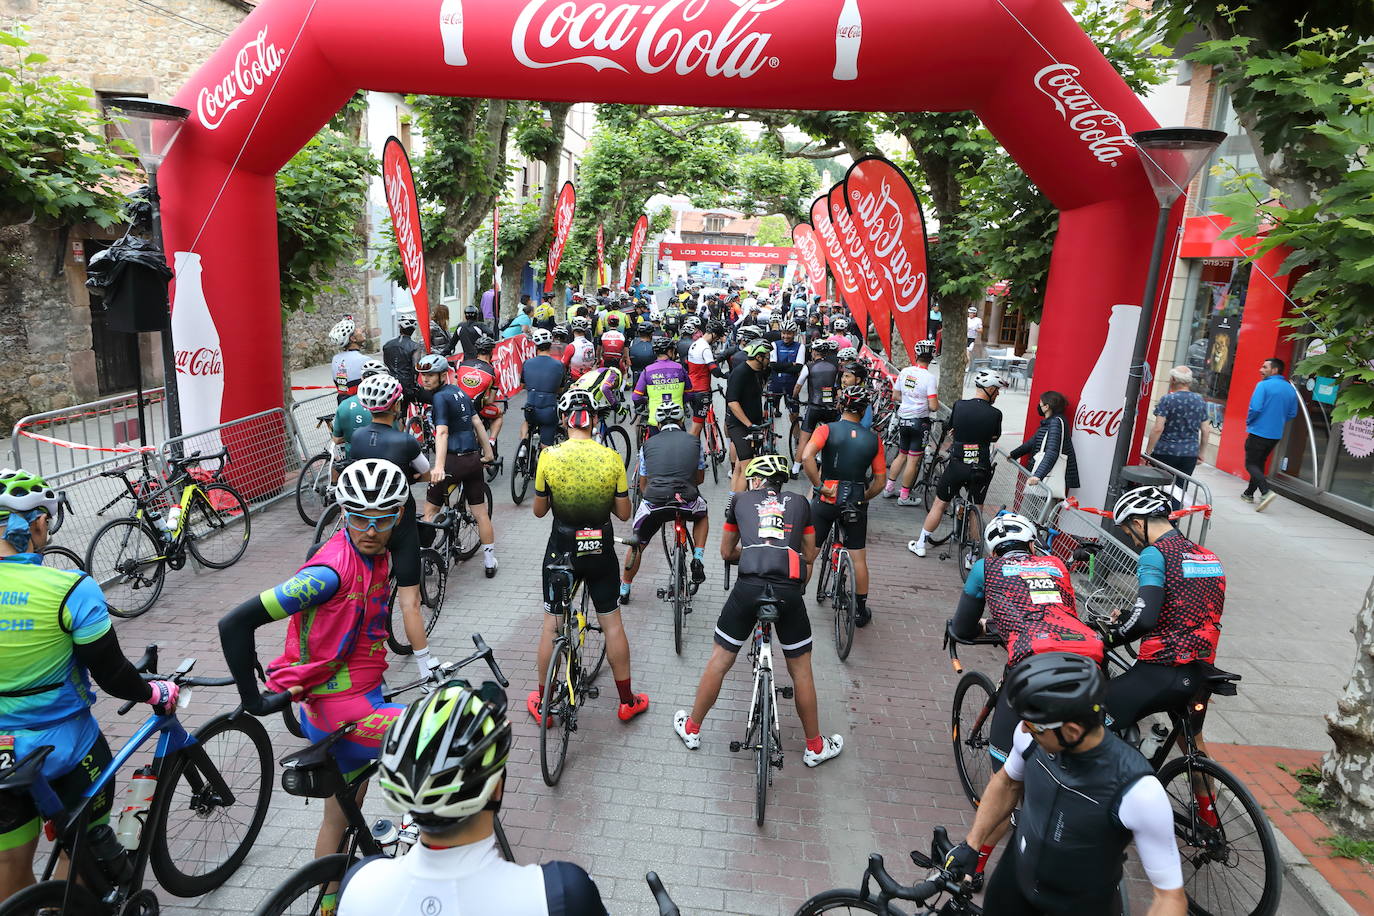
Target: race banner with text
x=600 y=255
x=870 y=287
x=637 y=237
x=562 y=228
x=811 y=254
x=399 y=186
x=887 y=213
x=507 y=357
x=726 y=254
x=845 y=279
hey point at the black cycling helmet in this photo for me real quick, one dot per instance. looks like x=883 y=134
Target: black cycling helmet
x=470 y=311
x=854 y=399
x=645 y=329
x=1052 y=688
x=483 y=344
x=561 y=333
x=715 y=328
x=857 y=369
x=663 y=344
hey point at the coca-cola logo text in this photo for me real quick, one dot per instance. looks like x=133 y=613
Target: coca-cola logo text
x=1102 y=130
x=202 y=361
x=507 y=359
x=412 y=257
x=849 y=31
x=883 y=225
x=256 y=61
x=811 y=255
x=562 y=222
x=835 y=252
x=1097 y=422
x=858 y=256
x=662 y=36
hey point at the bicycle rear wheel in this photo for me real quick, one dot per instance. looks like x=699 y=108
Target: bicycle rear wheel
x=594 y=644
x=793 y=437
x=713 y=448
x=127 y=562
x=467 y=539
x=61 y=558
x=931 y=471
x=845 y=605
x=201 y=838
x=1231 y=869
x=826 y=572
x=302 y=894
x=677 y=582
x=844 y=900
x=975 y=696
x=433 y=585
x=217 y=526
x=47 y=897
x=616 y=438
x=970 y=541
x=522 y=471
x=944 y=528
x=312 y=488
x=763 y=762
x=556 y=705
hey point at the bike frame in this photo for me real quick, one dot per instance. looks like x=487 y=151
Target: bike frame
x=761 y=654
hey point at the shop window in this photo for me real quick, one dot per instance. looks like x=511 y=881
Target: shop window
x=1352 y=476
x=1216 y=305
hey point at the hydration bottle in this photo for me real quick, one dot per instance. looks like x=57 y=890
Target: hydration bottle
x=173 y=518
x=138 y=798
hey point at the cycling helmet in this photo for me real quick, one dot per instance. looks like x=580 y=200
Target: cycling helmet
x=541 y=337
x=342 y=333
x=21 y=491
x=757 y=347
x=854 y=399
x=576 y=399
x=715 y=328
x=374 y=367
x=379 y=393
x=691 y=324
x=470 y=311
x=561 y=333
x=1052 y=688
x=644 y=329
x=747 y=333
x=662 y=343
x=1142 y=502
x=434 y=362
x=406 y=323
x=788 y=327
x=848 y=354
x=856 y=369
x=670 y=412
x=612 y=321
x=824 y=346
x=839 y=323
x=769 y=467
x=1008 y=531
x=483 y=344
x=371 y=483
x=928 y=345
x=989 y=378
x=580 y=324
x=443 y=757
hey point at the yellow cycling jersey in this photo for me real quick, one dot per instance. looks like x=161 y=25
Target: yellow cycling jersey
x=581 y=479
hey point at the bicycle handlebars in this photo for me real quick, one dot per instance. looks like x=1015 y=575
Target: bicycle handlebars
x=181 y=677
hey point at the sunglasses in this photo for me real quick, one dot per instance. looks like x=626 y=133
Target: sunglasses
x=1035 y=729
x=360 y=523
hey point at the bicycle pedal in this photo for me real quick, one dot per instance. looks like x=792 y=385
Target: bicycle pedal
x=735 y=747
x=776 y=762
x=592 y=692
x=785 y=692
x=662 y=594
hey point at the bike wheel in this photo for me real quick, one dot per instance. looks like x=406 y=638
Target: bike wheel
x=763 y=762
x=127 y=562
x=521 y=472
x=677 y=582
x=302 y=893
x=826 y=572
x=715 y=450
x=944 y=528
x=557 y=704
x=467 y=540
x=312 y=488
x=1232 y=869
x=793 y=437
x=218 y=526
x=931 y=473
x=396 y=637
x=331 y=520
x=970 y=541
x=433 y=586
x=845 y=605
x=62 y=558
x=594 y=645
x=47 y=897
x=975 y=696
x=201 y=839
x=616 y=438
x=844 y=900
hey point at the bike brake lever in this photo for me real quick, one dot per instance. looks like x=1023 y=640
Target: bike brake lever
x=489 y=657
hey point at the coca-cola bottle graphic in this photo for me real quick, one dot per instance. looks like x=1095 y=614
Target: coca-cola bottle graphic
x=1097 y=421
x=451 y=28
x=199 y=362
x=849 y=32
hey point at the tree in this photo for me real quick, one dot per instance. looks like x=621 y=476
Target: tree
x=539 y=136
x=774 y=230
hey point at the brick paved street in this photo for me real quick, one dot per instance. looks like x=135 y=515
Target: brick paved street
x=632 y=798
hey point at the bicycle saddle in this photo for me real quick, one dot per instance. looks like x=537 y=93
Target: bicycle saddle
x=20 y=776
x=768 y=611
x=1221 y=683
x=321 y=419
x=318 y=753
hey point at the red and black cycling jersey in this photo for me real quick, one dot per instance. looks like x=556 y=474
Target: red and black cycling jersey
x=849 y=451
x=1031 y=604
x=1189 y=624
x=772 y=527
x=476 y=377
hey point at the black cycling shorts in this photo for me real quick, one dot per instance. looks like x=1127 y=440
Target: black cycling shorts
x=911 y=434
x=546 y=418
x=958 y=475
x=1147 y=689
x=736 y=623
x=404 y=547
x=815 y=416
x=1004 y=896
x=824 y=514
x=745 y=447
x=598 y=572
x=461 y=470
x=698 y=404
x=1002 y=728
x=20 y=821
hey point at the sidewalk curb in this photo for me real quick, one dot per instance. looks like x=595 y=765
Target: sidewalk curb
x=1303 y=876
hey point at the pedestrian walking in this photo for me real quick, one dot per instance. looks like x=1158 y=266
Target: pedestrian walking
x=1054 y=463
x=1272 y=405
x=1180 y=432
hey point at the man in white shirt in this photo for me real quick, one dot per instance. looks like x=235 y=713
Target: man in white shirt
x=975 y=327
x=916 y=386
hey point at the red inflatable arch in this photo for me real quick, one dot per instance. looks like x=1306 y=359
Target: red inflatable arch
x=1024 y=66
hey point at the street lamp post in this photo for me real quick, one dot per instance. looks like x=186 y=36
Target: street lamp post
x=1171 y=157
x=152 y=127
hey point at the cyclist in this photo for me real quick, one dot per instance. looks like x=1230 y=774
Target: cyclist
x=580 y=355
x=1176 y=615
x=768 y=534
x=839 y=333
x=691 y=330
x=543 y=377
x=744 y=405
x=1030 y=603
x=701 y=366
x=918 y=390
x=461 y=447
x=444 y=761
x=821 y=377
x=671 y=467
x=664 y=381
x=789 y=358
x=641 y=350
x=561 y=338
x=974 y=425
x=743 y=336
x=603 y=384
x=477 y=377
x=854 y=373
x=545 y=316
x=381 y=395
x=348 y=362
x=583 y=483
x=469 y=329
x=1083 y=796
x=351 y=416
x=401 y=355
x=850 y=455
x=55 y=635
x=335 y=653
x=613 y=342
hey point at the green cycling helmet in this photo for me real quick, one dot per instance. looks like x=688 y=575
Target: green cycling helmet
x=21 y=491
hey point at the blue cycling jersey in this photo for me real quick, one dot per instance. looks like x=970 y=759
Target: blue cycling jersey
x=542 y=377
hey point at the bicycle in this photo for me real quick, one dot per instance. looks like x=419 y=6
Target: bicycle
x=568 y=683
x=680 y=589
x=612 y=436
x=763 y=733
x=938 y=883
x=975 y=698
x=420 y=424
x=315 y=483
x=211 y=786
x=837 y=567
x=314 y=773
x=932 y=463
x=132 y=555
x=494 y=467
x=434 y=569
x=713 y=437
x=962 y=524
x=527 y=459
x=455 y=519
x=60 y=557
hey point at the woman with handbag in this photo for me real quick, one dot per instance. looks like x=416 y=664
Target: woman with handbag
x=1054 y=464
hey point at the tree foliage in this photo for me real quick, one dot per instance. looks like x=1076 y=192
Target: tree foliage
x=774 y=230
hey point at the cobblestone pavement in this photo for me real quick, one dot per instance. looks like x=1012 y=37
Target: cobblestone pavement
x=633 y=798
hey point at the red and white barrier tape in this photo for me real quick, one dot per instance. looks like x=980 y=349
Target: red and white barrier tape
x=118 y=449
x=1072 y=503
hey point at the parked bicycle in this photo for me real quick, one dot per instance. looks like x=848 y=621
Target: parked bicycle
x=933 y=462
x=315 y=482
x=763 y=732
x=867 y=899
x=835 y=580
x=129 y=557
x=195 y=829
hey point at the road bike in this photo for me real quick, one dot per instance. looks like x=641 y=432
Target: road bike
x=613 y=436
x=420 y=424
x=434 y=569
x=962 y=524
x=129 y=557
x=927 y=894
x=211 y=798
x=497 y=464
x=314 y=773
x=527 y=458
x=315 y=483
x=60 y=557
x=680 y=588
x=569 y=682
x=970 y=723
x=712 y=437
x=835 y=579
x=763 y=733
x=933 y=461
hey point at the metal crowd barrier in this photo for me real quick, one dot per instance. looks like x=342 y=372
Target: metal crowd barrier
x=101 y=426
x=1188 y=491
x=312 y=439
x=1011 y=489
x=263 y=457
x=87 y=492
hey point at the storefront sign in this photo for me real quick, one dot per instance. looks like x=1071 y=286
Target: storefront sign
x=1358 y=436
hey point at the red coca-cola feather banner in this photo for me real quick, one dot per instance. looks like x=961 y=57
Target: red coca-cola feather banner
x=870 y=287
x=812 y=254
x=887 y=214
x=845 y=279
x=600 y=255
x=399 y=186
x=637 y=237
x=562 y=228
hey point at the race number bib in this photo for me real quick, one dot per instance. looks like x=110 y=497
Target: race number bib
x=771 y=520
x=1043 y=590
x=589 y=541
x=6 y=751
x=827 y=396
x=341 y=379
x=971 y=453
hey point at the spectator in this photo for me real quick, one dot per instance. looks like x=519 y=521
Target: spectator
x=1272 y=405
x=521 y=322
x=489 y=303
x=1054 y=463
x=975 y=327
x=1180 y=432
x=439 y=338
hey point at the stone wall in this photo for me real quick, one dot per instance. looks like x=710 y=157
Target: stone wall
x=305 y=339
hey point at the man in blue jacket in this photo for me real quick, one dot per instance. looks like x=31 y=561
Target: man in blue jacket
x=1272 y=405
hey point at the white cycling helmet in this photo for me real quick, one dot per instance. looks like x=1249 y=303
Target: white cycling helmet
x=541 y=337
x=406 y=322
x=342 y=333
x=691 y=323
x=839 y=323
x=926 y=344
x=374 y=367
x=848 y=353
x=371 y=483
x=379 y=393
x=1007 y=531
x=1142 y=502
x=989 y=378
x=747 y=333
x=580 y=324
x=433 y=363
